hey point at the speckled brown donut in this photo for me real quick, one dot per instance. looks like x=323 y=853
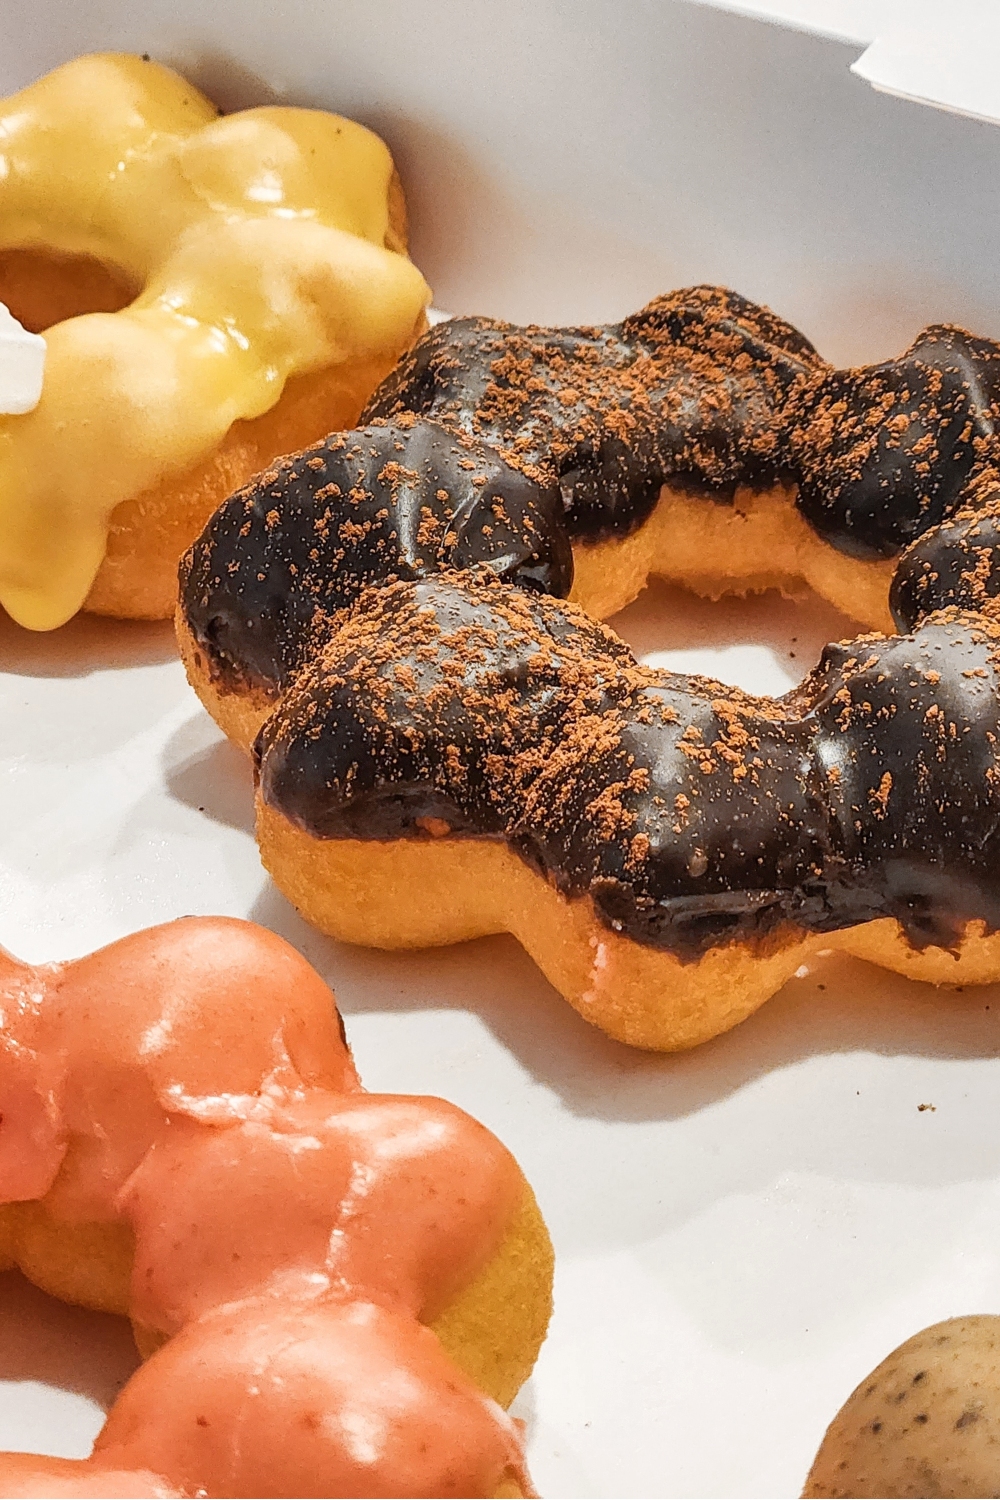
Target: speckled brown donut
x=667 y=848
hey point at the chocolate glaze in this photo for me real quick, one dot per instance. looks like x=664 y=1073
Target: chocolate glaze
x=282 y=558
x=690 y=812
x=954 y=564
x=881 y=454
x=577 y=429
x=704 y=389
x=691 y=389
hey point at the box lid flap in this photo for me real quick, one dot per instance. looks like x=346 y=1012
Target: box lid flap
x=945 y=56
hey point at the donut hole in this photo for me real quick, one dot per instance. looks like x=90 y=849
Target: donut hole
x=42 y=287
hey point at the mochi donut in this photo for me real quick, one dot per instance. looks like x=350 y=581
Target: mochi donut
x=465 y=757
x=383 y=618
x=705 y=441
x=213 y=292
x=336 y=1292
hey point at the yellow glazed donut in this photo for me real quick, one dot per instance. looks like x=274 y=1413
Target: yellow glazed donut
x=214 y=291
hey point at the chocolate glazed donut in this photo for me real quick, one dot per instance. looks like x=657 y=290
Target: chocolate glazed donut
x=464 y=757
x=452 y=756
x=704 y=440
x=278 y=565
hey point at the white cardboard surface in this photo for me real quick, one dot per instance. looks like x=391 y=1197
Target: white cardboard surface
x=741 y=1232
x=841 y=20
x=943 y=55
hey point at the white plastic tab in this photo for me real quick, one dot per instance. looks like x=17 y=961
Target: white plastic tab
x=22 y=366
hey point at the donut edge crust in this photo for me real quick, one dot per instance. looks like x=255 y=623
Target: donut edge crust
x=686 y=537
x=238 y=715
x=492 y=1330
x=364 y=892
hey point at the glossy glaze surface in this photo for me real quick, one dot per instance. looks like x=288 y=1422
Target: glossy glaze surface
x=704 y=388
x=292 y=1232
x=701 y=391
x=691 y=813
x=279 y=563
x=690 y=388
x=256 y=244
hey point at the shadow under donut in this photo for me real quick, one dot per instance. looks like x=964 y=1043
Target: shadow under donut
x=49 y=1343
x=841 y=1006
x=209 y=774
x=86 y=644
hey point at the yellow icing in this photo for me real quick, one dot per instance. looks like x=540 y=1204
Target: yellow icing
x=258 y=241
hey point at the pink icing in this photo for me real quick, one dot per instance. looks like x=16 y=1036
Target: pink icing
x=292 y=1232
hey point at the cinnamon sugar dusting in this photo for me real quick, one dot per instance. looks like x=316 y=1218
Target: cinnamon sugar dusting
x=526 y=721
x=694 y=384
x=424 y=696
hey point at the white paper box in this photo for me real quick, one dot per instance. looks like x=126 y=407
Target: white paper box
x=742 y=1232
